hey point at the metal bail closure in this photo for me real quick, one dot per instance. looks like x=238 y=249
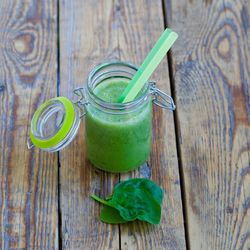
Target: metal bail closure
x=161 y=99
x=81 y=102
x=54 y=124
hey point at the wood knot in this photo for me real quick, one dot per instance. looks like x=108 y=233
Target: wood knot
x=118 y=8
x=229 y=210
x=224 y=48
x=208 y=2
x=2 y=88
x=27 y=78
x=24 y=43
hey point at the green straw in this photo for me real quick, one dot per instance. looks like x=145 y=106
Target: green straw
x=150 y=63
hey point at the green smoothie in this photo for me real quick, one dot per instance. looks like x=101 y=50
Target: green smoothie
x=118 y=141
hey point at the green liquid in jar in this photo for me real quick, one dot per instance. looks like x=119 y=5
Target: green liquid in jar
x=118 y=142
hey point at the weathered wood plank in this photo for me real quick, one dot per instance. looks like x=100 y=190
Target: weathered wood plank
x=114 y=30
x=140 y=24
x=28 y=179
x=212 y=81
x=88 y=36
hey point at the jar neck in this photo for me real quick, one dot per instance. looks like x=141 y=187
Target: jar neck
x=120 y=71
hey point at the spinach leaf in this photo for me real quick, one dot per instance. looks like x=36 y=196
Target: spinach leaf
x=111 y=215
x=135 y=199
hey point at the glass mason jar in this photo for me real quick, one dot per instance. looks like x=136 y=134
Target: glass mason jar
x=118 y=135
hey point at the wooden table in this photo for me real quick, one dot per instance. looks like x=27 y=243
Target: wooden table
x=201 y=152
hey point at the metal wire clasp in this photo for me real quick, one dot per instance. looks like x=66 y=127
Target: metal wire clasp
x=161 y=99
x=81 y=102
x=30 y=145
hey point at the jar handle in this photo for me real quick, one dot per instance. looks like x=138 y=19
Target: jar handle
x=161 y=99
x=81 y=102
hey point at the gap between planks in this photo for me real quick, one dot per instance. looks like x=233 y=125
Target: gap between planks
x=58 y=153
x=177 y=132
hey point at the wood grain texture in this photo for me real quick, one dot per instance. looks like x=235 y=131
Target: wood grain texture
x=140 y=23
x=88 y=36
x=211 y=67
x=28 y=179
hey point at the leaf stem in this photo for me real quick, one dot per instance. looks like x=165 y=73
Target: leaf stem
x=93 y=196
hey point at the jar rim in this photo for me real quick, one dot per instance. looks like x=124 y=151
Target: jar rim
x=115 y=106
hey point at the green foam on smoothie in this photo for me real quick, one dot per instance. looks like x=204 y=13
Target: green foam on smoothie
x=110 y=91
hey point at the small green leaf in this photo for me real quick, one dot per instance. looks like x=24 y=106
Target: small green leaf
x=133 y=199
x=138 y=199
x=111 y=215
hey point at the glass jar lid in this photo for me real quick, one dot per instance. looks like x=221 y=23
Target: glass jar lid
x=54 y=124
